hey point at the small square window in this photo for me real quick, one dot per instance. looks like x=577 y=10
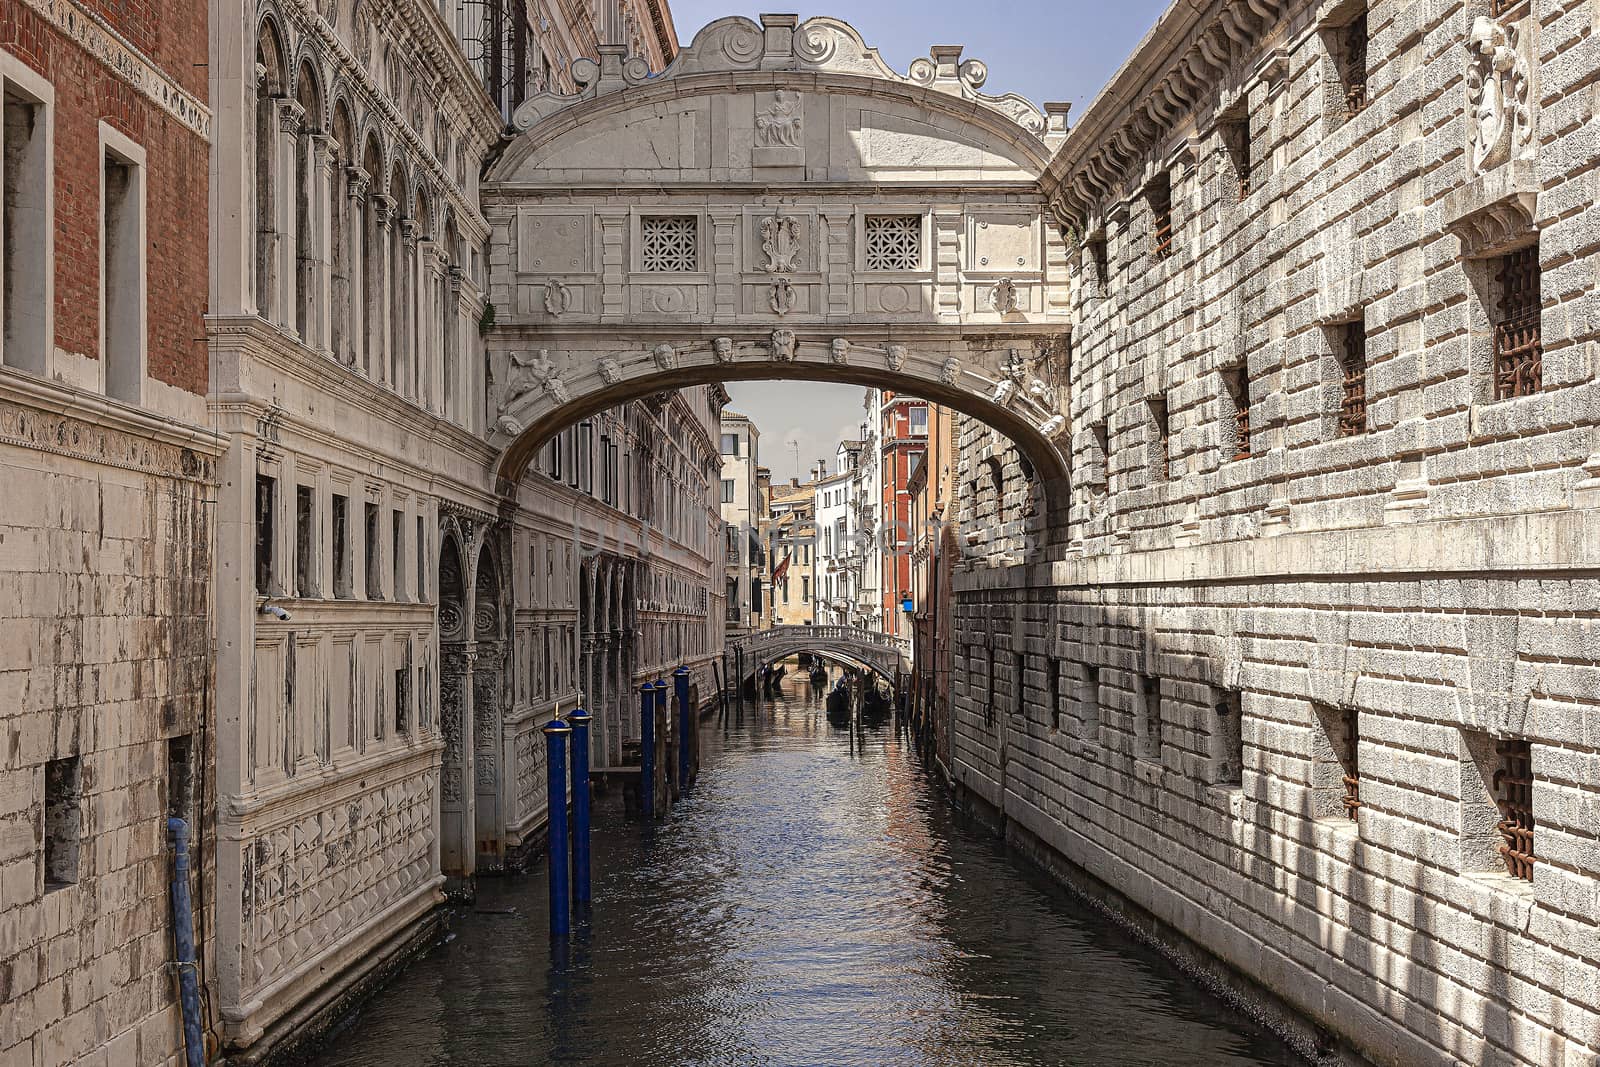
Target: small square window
x=669 y=244
x=893 y=242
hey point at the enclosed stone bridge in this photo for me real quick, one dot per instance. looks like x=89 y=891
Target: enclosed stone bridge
x=868 y=649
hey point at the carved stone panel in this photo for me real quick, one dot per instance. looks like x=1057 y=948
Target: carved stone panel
x=554 y=243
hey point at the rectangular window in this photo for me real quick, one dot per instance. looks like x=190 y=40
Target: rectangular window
x=893 y=242
x=1335 y=772
x=1053 y=675
x=1236 y=140
x=570 y=449
x=730 y=444
x=63 y=821
x=1159 y=197
x=1352 y=60
x=988 y=705
x=1236 y=394
x=374 y=578
x=919 y=422
x=1160 y=439
x=266 y=507
x=24 y=232
x=585 y=438
x=1089 y=703
x=305 y=539
x=1150 y=722
x=669 y=244
x=402 y=701
x=341 y=547
x=180 y=778
x=1353 y=363
x=122 y=277
x=805 y=587
x=422 y=561
x=1100 y=264
x=1019 y=667
x=1227 y=739
x=1100 y=463
x=727 y=490
x=1518 y=350
x=398 y=553
x=1513 y=786
x=553 y=457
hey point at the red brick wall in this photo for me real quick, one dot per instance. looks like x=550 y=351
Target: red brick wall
x=176 y=177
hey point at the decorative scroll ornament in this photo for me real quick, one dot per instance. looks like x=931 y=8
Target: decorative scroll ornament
x=1497 y=91
x=611 y=371
x=557 y=298
x=895 y=356
x=1004 y=297
x=950 y=373
x=780 y=242
x=781 y=298
x=783 y=342
x=666 y=356
x=839 y=350
x=778 y=124
x=722 y=350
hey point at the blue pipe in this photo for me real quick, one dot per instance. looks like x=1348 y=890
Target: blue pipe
x=680 y=678
x=647 y=750
x=579 y=721
x=555 y=735
x=183 y=931
x=660 y=688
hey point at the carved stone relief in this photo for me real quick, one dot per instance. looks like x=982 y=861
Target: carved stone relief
x=781 y=243
x=557 y=298
x=783 y=345
x=1501 y=126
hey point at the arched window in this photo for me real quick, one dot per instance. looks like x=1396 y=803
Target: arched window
x=418 y=301
x=371 y=264
x=270 y=88
x=399 y=291
x=305 y=204
x=339 y=212
x=449 y=325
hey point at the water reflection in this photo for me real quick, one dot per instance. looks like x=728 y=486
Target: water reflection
x=814 y=901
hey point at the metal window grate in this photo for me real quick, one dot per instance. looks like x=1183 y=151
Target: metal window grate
x=1162 y=422
x=1236 y=133
x=1513 y=786
x=1353 y=402
x=1505 y=7
x=1355 y=65
x=670 y=244
x=893 y=242
x=1161 y=233
x=1352 y=770
x=1238 y=384
x=1518 y=349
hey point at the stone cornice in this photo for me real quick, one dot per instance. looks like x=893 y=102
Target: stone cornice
x=102 y=41
x=45 y=416
x=1192 y=48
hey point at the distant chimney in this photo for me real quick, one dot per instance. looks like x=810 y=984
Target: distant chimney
x=794 y=483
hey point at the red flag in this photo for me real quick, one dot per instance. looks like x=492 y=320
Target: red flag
x=782 y=568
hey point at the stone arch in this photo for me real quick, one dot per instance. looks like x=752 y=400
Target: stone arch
x=341 y=240
x=490 y=639
x=401 y=253
x=456 y=852
x=272 y=88
x=371 y=245
x=307 y=170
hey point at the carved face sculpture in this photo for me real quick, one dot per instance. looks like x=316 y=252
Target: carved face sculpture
x=895 y=356
x=839 y=350
x=783 y=342
x=666 y=356
x=611 y=371
x=951 y=371
x=722 y=349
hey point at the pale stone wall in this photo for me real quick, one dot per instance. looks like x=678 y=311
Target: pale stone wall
x=1429 y=576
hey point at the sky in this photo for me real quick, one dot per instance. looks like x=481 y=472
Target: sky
x=1042 y=49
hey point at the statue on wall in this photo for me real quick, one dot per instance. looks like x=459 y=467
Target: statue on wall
x=1501 y=127
x=778 y=124
x=529 y=375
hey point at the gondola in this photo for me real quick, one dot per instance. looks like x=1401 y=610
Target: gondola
x=875 y=705
x=819 y=676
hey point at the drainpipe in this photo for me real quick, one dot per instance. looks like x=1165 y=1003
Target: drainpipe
x=183 y=934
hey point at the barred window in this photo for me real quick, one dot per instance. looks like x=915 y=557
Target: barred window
x=1518 y=349
x=1353 y=361
x=1354 y=64
x=1100 y=260
x=1236 y=385
x=1513 y=792
x=670 y=243
x=1159 y=196
x=1236 y=139
x=1161 y=427
x=894 y=242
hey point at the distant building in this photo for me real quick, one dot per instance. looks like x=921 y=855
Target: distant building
x=902 y=442
x=933 y=552
x=791 y=548
x=741 y=503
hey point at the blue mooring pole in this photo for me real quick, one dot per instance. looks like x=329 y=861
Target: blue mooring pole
x=680 y=681
x=183 y=929
x=661 y=705
x=647 y=750
x=555 y=735
x=579 y=721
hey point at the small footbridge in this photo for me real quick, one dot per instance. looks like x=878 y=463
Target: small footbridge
x=750 y=650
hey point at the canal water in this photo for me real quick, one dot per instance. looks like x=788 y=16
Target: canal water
x=816 y=901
